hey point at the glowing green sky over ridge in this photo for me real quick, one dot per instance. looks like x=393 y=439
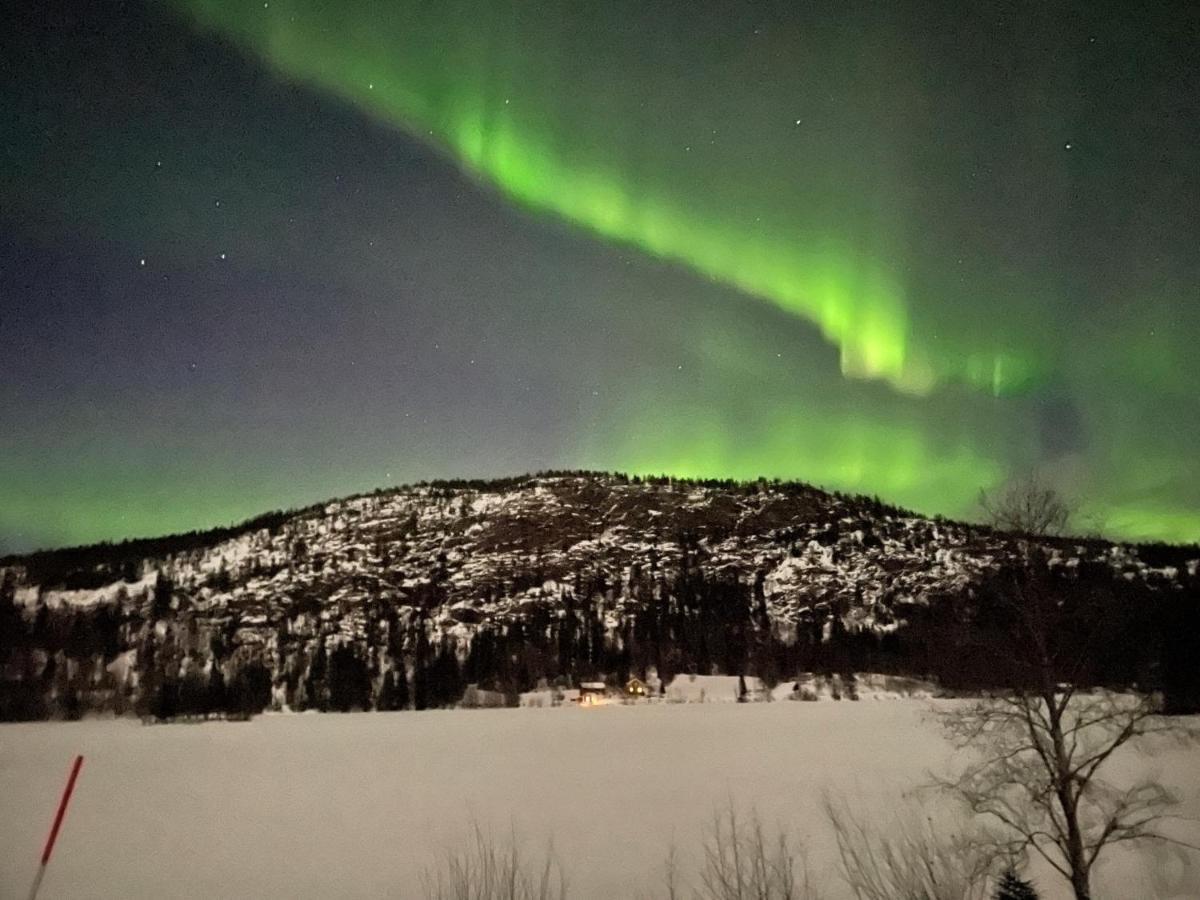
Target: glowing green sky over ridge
x=566 y=118
x=259 y=254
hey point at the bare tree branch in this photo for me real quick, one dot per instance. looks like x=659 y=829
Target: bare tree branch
x=911 y=861
x=1026 y=505
x=1039 y=775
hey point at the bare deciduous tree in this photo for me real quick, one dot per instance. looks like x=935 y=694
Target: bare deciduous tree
x=1026 y=505
x=1040 y=775
x=1044 y=740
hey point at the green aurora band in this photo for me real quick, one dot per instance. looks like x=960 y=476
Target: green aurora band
x=567 y=117
x=800 y=170
x=849 y=176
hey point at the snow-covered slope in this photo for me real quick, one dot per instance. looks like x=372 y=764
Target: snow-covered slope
x=360 y=806
x=460 y=557
x=499 y=550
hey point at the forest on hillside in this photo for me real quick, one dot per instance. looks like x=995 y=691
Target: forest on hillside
x=155 y=656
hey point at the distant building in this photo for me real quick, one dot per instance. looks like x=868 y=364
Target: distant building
x=636 y=688
x=592 y=693
x=715 y=689
x=476 y=698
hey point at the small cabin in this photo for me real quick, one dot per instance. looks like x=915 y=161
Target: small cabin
x=476 y=698
x=636 y=688
x=592 y=693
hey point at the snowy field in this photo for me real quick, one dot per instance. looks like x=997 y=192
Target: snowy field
x=360 y=805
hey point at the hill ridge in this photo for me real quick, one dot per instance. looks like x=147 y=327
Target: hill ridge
x=575 y=573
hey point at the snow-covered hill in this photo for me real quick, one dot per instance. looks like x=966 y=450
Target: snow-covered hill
x=454 y=559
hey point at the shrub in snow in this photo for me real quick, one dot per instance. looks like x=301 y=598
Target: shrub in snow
x=490 y=870
x=744 y=859
x=911 y=860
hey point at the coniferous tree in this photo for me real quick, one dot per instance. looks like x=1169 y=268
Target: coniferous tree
x=164 y=704
x=1180 y=623
x=386 y=700
x=420 y=678
x=1013 y=887
x=161 y=604
x=315 y=687
x=72 y=705
x=12 y=622
x=349 y=684
x=402 y=694
x=193 y=694
x=449 y=676
x=217 y=699
x=250 y=690
x=420 y=688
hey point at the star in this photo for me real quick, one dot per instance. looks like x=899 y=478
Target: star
x=142 y=262
x=1068 y=145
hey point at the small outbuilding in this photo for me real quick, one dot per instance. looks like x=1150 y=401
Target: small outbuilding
x=592 y=693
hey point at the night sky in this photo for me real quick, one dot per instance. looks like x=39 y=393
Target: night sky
x=258 y=254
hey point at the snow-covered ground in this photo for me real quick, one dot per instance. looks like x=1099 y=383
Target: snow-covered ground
x=359 y=805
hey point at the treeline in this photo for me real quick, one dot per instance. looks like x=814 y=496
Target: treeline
x=1105 y=630
x=95 y=565
x=63 y=662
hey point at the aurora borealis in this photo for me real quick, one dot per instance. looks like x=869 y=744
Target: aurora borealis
x=259 y=254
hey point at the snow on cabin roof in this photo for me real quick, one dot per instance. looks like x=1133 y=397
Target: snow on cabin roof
x=593 y=686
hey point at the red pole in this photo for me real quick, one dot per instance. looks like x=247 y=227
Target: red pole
x=58 y=819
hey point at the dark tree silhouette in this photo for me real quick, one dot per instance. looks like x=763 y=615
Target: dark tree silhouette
x=1013 y=887
x=1043 y=742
